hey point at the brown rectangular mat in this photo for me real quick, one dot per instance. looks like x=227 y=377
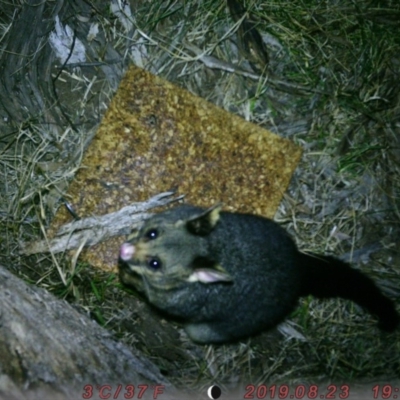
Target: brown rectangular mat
x=156 y=136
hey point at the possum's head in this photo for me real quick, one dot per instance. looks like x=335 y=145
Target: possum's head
x=170 y=251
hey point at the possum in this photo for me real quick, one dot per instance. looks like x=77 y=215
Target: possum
x=228 y=276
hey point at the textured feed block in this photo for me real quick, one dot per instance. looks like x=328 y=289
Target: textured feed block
x=156 y=136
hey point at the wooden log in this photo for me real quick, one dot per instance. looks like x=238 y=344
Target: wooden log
x=48 y=348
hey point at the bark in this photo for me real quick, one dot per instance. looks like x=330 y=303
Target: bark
x=48 y=348
x=93 y=230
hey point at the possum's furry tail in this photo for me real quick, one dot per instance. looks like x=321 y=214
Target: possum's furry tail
x=326 y=276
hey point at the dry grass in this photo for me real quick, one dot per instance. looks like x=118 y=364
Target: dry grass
x=341 y=102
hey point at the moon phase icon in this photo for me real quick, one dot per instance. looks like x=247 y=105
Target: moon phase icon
x=214 y=392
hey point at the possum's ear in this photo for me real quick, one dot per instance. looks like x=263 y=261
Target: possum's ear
x=202 y=224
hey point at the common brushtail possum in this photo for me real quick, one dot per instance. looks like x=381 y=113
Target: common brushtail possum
x=230 y=275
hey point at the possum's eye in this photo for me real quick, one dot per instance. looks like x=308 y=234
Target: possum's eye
x=154 y=263
x=151 y=234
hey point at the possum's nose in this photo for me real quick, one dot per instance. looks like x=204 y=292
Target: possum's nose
x=127 y=251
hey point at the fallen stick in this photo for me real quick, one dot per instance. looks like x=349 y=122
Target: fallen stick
x=93 y=230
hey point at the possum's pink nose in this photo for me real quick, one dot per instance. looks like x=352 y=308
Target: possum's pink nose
x=127 y=251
